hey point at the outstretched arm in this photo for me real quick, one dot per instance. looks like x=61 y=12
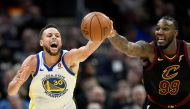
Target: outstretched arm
x=138 y=49
x=22 y=75
x=82 y=53
x=75 y=56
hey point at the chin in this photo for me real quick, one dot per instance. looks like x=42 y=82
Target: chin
x=53 y=53
x=162 y=46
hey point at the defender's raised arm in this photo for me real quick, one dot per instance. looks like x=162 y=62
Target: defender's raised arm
x=137 y=49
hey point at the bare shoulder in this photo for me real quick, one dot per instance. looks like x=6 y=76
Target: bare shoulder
x=148 y=50
x=68 y=56
x=147 y=47
x=30 y=62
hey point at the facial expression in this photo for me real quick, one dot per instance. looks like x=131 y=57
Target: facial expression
x=165 y=33
x=51 y=41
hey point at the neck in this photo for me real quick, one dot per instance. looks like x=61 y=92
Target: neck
x=49 y=60
x=171 y=49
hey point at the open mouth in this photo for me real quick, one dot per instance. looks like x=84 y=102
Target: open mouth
x=54 y=45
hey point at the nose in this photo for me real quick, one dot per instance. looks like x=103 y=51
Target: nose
x=159 y=31
x=53 y=37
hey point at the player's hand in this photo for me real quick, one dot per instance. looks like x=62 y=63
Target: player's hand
x=113 y=32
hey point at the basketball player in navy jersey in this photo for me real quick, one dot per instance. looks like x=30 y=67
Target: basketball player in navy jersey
x=166 y=65
x=54 y=71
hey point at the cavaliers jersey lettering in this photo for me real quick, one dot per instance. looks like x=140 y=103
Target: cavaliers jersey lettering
x=52 y=87
x=167 y=79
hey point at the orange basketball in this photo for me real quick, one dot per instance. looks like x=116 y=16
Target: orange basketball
x=95 y=26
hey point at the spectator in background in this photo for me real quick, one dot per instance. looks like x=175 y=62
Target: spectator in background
x=134 y=74
x=138 y=95
x=14 y=102
x=29 y=40
x=85 y=85
x=6 y=77
x=94 y=105
x=121 y=96
x=97 y=94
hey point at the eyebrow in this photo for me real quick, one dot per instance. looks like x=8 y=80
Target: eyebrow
x=165 y=24
x=52 y=33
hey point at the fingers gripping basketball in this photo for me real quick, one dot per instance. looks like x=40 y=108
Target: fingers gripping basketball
x=95 y=26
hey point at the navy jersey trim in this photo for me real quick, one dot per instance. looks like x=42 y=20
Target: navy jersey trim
x=63 y=61
x=186 y=53
x=51 y=68
x=37 y=65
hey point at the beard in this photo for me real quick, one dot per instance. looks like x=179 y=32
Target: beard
x=166 y=45
x=51 y=53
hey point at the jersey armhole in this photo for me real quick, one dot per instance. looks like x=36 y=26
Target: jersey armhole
x=37 y=65
x=186 y=53
x=151 y=64
x=68 y=70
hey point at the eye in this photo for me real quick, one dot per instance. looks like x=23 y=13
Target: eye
x=157 y=28
x=57 y=36
x=49 y=35
x=166 y=29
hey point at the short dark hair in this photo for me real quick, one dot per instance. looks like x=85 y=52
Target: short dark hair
x=170 y=18
x=46 y=27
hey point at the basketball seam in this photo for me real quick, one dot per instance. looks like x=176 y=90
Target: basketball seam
x=91 y=26
x=107 y=21
x=84 y=20
x=100 y=26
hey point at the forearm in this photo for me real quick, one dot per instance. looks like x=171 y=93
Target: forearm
x=87 y=50
x=119 y=42
x=13 y=87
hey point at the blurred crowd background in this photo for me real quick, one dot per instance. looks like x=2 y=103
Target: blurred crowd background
x=108 y=79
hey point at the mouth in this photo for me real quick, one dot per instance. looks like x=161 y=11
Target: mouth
x=53 y=45
x=160 y=38
x=161 y=41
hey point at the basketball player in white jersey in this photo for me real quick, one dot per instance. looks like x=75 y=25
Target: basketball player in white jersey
x=54 y=72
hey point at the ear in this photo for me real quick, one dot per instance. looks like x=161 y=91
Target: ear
x=41 y=43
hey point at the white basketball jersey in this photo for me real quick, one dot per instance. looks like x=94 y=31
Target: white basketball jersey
x=52 y=88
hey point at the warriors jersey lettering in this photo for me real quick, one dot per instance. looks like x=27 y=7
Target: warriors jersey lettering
x=167 y=79
x=52 y=87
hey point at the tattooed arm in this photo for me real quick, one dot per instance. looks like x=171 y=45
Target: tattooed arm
x=138 y=49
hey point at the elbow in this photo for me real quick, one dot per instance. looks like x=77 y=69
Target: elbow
x=11 y=92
